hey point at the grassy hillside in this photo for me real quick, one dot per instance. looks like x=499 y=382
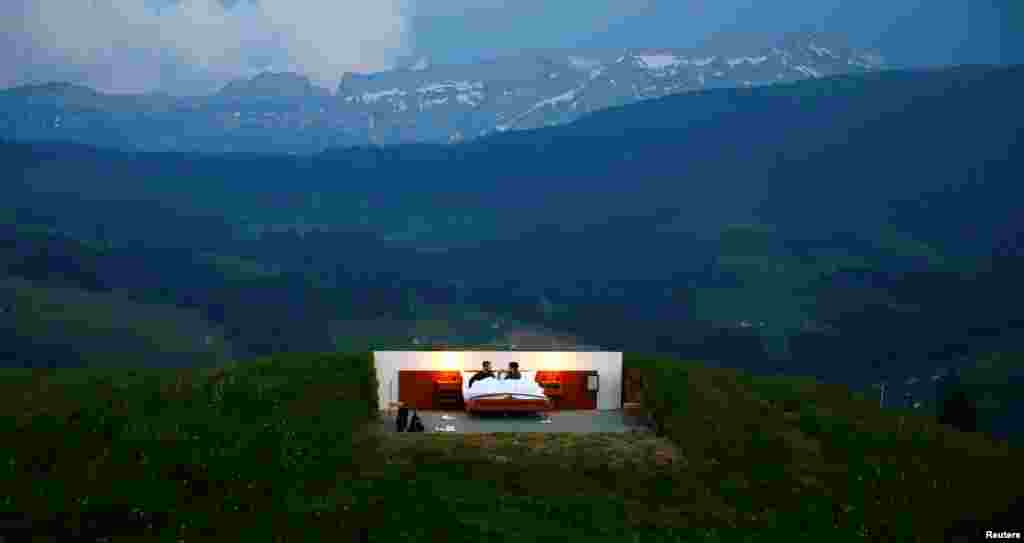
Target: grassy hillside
x=793 y=450
x=100 y=329
x=739 y=456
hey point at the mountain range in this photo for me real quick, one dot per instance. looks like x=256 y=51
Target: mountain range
x=851 y=227
x=747 y=204
x=417 y=102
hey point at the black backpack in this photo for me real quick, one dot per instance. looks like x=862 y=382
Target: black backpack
x=415 y=425
x=402 y=420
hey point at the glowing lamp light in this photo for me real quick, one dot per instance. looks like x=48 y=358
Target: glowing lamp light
x=446 y=360
x=447 y=377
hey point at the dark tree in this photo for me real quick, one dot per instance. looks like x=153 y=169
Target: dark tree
x=959 y=412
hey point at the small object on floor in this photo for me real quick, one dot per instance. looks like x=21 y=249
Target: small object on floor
x=447 y=417
x=448 y=428
x=402 y=420
x=415 y=424
x=545 y=421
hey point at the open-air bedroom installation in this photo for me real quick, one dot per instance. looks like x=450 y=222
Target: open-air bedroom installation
x=430 y=379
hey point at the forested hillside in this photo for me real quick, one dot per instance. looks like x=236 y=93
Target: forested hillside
x=861 y=229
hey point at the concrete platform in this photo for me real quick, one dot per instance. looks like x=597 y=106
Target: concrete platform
x=587 y=421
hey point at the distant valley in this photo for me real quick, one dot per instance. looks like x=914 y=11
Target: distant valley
x=858 y=228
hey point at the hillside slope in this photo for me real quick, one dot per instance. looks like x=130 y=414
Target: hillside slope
x=784 y=458
x=827 y=152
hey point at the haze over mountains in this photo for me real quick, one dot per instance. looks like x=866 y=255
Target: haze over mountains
x=420 y=102
x=767 y=227
x=738 y=201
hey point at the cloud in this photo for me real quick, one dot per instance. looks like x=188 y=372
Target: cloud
x=143 y=45
x=460 y=8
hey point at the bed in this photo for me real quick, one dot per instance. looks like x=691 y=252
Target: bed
x=523 y=394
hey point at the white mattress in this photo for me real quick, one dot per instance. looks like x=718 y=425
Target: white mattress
x=525 y=388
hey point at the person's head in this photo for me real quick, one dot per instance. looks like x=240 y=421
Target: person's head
x=487 y=365
x=513 y=366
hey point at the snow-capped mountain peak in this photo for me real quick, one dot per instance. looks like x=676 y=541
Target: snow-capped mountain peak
x=421 y=64
x=423 y=102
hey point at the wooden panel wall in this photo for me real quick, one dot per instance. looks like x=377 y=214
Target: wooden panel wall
x=575 y=394
x=632 y=385
x=416 y=388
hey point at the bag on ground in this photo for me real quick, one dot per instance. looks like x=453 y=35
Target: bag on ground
x=402 y=420
x=415 y=425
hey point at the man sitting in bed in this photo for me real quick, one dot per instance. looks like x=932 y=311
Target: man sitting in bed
x=482 y=374
x=513 y=371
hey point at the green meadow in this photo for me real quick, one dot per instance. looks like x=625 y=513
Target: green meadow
x=736 y=458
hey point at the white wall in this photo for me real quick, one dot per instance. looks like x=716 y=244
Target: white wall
x=607 y=364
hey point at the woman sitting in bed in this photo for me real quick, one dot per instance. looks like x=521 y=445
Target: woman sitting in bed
x=513 y=371
x=482 y=374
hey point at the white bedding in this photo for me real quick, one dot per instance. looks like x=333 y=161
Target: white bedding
x=525 y=387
